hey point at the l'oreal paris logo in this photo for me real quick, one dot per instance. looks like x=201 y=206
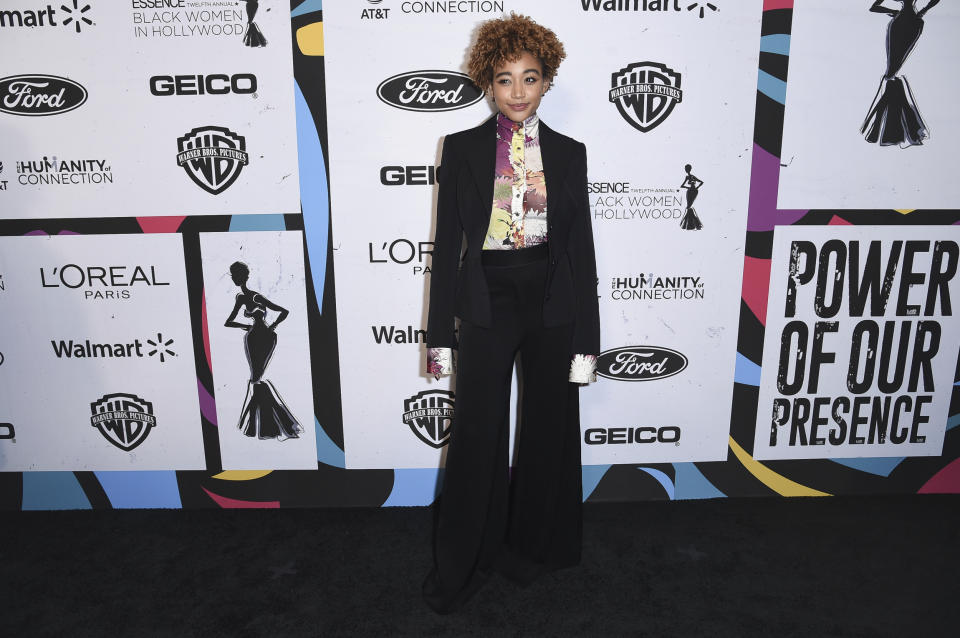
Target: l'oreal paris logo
x=74 y=276
x=37 y=95
x=640 y=363
x=429 y=91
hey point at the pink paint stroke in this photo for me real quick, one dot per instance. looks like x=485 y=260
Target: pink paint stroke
x=232 y=503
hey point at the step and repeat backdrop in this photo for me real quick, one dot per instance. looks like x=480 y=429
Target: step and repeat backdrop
x=216 y=224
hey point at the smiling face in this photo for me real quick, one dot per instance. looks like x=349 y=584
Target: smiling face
x=518 y=87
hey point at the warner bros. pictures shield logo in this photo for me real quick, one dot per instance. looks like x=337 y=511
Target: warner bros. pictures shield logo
x=645 y=94
x=123 y=419
x=213 y=157
x=430 y=415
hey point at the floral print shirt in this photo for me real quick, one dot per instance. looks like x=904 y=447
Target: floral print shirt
x=518 y=220
x=519 y=215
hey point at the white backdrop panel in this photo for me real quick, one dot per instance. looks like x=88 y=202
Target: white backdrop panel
x=129 y=135
x=837 y=59
x=86 y=317
x=383 y=223
x=275 y=260
x=850 y=396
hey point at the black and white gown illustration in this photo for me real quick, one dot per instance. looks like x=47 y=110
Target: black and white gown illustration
x=692 y=184
x=253 y=37
x=893 y=118
x=264 y=414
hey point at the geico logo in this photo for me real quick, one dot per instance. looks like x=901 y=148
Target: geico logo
x=409 y=175
x=213 y=84
x=158 y=4
x=7 y=431
x=622 y=436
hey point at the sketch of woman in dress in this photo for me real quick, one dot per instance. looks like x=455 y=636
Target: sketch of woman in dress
x=893 y=117
x=264 y=414
x=692 y=184
x=253 y=37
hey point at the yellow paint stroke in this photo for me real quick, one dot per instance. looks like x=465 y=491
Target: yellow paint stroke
x=241 y=475
x=776 y=482
x=310 y=39
x=904 y=211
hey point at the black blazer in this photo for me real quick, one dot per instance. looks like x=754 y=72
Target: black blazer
x=457 y=283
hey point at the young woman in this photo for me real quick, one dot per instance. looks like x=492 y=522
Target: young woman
x=527 y=283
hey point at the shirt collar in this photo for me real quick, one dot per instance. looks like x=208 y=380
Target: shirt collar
x=531 y=126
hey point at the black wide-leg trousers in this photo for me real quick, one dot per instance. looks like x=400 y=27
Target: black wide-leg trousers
x=530 y=522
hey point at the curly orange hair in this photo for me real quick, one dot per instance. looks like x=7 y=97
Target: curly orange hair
x=505 y=39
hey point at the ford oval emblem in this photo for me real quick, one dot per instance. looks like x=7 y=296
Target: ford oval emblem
x=36 y=95
x=640 y=363
x=429 y=91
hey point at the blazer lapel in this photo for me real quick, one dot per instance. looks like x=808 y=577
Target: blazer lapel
x=554 y=166
x=482 y=162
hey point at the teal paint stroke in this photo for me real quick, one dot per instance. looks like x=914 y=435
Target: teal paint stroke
x=778 y=43
x=692 y=484
x=774 y=88
x=53 y=491
x=328 y=452
x=247 y=223
x=309 y=6
x=591 y=475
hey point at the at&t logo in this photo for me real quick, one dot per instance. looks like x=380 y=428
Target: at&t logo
x=375 y=12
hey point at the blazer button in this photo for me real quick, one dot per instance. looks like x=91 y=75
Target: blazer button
x=546 y=297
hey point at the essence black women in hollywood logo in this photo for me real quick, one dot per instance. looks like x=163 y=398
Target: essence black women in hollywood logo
x=893 y=118
x=691 y=183
x=264 y=414
x=253 y=37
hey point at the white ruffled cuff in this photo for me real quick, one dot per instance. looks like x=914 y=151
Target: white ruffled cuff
x=583 y=368
x=440 y=362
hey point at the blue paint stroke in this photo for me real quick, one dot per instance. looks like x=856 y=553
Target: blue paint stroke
x=313 y=193
x=591 y=475
x=662 y=478
x=746 y=372
x=692 y=484
x=877 y=466
x=53 y=491
x=328 y=452
x=414 y=487
x=884 y=465
x=307 y=7
x=257 y=222
x=134 y=490
x=778 y=43
x=773 y=88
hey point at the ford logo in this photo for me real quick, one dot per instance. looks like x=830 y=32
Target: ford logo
x=429 y=91
x=640 y=363
x=40 y=95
